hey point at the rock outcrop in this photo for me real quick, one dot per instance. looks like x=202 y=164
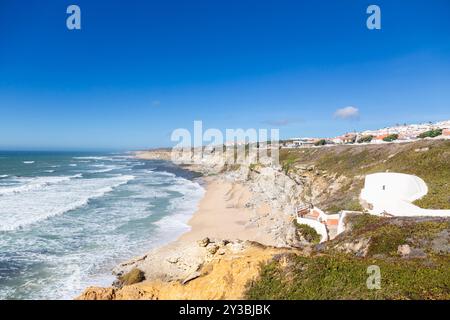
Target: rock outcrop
x=223 y=274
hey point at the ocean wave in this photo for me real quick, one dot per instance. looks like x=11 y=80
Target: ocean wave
x=89 y=158
x=97 y=158
x=4 y=176
x=28 y=162
x=182 y=207
x=164 y=173
x=34 y=204
x=30 y=184
x=93 y=223
x=104 y=168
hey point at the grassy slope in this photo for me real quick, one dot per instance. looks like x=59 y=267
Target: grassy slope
x=433 y=166
x=331 y=274
x=341 y=277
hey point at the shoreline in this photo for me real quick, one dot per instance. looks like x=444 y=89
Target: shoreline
x=231 y=221
x=221 y=212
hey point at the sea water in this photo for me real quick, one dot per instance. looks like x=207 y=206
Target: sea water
x=66 y=219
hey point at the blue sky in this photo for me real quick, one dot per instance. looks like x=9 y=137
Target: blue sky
x=139 y=69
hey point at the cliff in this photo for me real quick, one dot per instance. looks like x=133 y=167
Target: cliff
x=223 y=274
x=411 y=252
x=411 y=255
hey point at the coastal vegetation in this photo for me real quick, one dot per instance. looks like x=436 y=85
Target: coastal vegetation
x=430 y=133
x=412 y=254
x=306 y=232
x=365 y=139
x=387 y=234
x=133 y=276
x=343 y=277
x=391 y=137
x=320 y=142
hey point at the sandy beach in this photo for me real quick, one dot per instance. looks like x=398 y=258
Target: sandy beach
x=234 y=223
x=225 y=219
x=222 y=214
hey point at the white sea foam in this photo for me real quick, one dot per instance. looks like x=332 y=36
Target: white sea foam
x=46 y=197
x=31 y=184
x=3 y=176
x=79 y=248
x=165 y=173
x=98 y=158
x=104 y=168
x=28 y=162
x=182 y=207
x=90 y=158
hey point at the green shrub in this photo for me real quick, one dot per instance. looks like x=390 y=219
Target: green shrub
x=430 y=133
x=365 y=139
x=133 y=276
x=391 y=137
x=320 y=142
x=309 y=233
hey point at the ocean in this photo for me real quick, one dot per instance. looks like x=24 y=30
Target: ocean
x=66 y=219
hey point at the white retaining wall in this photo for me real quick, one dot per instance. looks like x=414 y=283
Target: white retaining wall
x=393 y=193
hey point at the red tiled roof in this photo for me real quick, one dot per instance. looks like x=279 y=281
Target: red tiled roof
x=332 y=222
x=381 y=137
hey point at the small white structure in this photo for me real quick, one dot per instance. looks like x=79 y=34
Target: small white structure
x=326 y=225
x=393 y=194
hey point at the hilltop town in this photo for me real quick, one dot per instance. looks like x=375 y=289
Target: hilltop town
x=398 y=133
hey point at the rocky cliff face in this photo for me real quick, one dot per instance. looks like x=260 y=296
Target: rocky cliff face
x=220 y=269
x=222 y=273
x=280 y=189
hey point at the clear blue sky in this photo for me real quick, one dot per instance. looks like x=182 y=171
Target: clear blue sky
x=139 y=69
